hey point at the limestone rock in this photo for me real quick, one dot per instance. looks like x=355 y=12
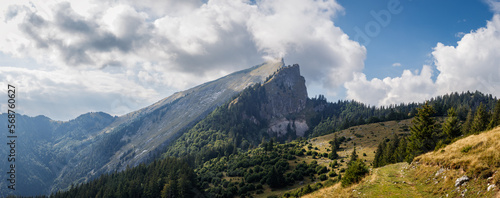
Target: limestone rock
x=461 y=180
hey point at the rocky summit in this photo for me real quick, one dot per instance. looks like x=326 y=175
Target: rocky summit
x=286 y=94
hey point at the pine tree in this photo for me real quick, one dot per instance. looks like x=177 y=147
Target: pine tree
x=451 y=126
x=390 y=152
x=275 y=179
x=495 y=118
x=379 y=156
x=354 y=156
x=466 y=127
x=401 y=152
x=422 y=133
x=334 y=146
x=481 y=118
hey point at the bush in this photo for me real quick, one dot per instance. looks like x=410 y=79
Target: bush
x=466 y=149
x=321 y=170
x=332 y=173
x=323 y=177
x=354 y=173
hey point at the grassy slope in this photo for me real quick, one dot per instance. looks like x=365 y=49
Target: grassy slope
x=434 y=174
x=372 y=134
x=369 y=136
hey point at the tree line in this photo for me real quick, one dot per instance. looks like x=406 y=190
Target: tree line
x=427 y=135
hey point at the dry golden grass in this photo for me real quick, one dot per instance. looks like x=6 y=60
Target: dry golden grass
x=371 y=136
x=333 y=191
x=478 y=155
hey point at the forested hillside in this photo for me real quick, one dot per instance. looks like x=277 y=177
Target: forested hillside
x=233 y=155
x=170 y=177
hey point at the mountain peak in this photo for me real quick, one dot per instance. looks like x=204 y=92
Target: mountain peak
x=286 y=94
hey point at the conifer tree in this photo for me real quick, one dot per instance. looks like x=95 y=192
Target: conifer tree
x=390 y=153
x=466 y=127
x=451 y=126
x=354 y=156
x=379 y=156
x=401 y=152
x=422 y=133
x=495 y=117
x=275 y=179
x=334 y=146
x=481 y=118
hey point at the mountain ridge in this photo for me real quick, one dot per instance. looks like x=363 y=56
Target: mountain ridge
x=75 y=151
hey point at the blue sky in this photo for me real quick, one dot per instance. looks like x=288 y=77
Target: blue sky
x=70 y=57
x=411 y=34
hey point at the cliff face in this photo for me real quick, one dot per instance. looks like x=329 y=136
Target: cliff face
x=286 y=93
x=286 y=96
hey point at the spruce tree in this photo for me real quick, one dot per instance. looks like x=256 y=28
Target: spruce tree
x=451 y=126
x=466 y=127
x=275 y=179
x=379 y=156
x=481 y=118
x=354 y=156
x=422 y=133
x=401 y=152
x=334 y=146
x=495 y=117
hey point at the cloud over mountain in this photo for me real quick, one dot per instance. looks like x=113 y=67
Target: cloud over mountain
x=156 y=48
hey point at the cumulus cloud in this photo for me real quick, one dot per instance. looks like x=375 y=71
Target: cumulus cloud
x=396 y=64
x=300 y=30
x=409 y=87
x=167 y=46
x=471 y=65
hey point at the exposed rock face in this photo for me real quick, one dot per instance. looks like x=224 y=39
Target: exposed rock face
x=286 y=96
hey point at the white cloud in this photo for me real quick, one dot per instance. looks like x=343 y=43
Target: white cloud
x=409 y=87
x=157 y=48
x=494 y=5
x=62 y=94
x=472 y=65
x=396 y=64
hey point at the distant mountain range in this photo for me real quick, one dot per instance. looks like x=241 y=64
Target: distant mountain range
x=53 y=154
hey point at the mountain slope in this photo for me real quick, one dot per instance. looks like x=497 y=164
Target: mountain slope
x=55 y=154
x=132 y=138
x=271 y=109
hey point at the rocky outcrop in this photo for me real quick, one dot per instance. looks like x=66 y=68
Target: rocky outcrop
x=286 y=97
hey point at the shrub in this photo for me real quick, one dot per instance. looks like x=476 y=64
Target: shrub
x=466 y=149
x=354 y=173
x=332 y=173
x=323 y=177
